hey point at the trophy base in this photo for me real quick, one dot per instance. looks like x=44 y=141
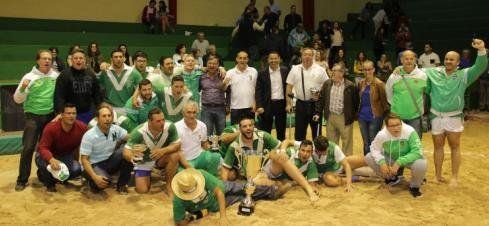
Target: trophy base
x=245 y=210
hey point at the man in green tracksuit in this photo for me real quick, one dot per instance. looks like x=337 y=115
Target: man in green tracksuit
x=36 y=92
x=400 y=96
x=397 y=145
x=119 y=81
x=191 y=75
x=446 y=87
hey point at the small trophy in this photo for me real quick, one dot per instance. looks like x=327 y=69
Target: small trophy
x=138 y=150
x=214 y=140
x=314 y=93
x=253 y=161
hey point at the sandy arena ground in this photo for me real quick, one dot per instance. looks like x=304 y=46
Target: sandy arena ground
x=367 y=205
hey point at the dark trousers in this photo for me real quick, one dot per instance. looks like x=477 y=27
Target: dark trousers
x=214 y=118
x=304 y=110
x=34 y=124
x=110 y=166
x=235 y=192
x=237 y=114
x=47 y=178
x=369 y=130
x=275 y=111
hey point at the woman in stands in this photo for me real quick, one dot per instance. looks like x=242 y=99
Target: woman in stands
x=94 y=58
x=58 y=64
x=164 y=16
x=180 y=52
x=123 y=48
x=385 y=68
x=358 y=67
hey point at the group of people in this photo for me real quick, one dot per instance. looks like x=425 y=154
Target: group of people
x=133 y=120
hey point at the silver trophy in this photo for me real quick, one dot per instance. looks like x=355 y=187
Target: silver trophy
x=314 y=93
x=253 y=162
x=214 y=140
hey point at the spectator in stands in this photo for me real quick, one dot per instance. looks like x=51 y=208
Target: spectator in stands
x=324 y=31
x=269 y=18
x=198 y=59
x=164 y=16
x=320 y=59
x=247 y=34
x=148 y=17
x=338 y=101
x=35 y=92
x=465 y=59
x=302 y=79
x=274 y=42
x=68 y=58
x=275 y=8
x=428 y=58
x=58 y=64
x=340 y=58
x=358 y=69
x=141 y=63
x=59 y=144
x=296 y=57
x=379 y=43
x=119 y=81
x=380 y=19
x=336 y=40
x=298 y=37
x=127 y=57
x=270 y=96
x=213 y=98
x=251 y=8
x=242 y=80
x=292 y=20
x=212 y=52
x=362 y=20
x=316 y=42
x=101 y=154
x=403 y=38
x=373 y=105
x=94 y=58
x=201 y=44
x=384 y=67
x=79 y=86
x=180 y=51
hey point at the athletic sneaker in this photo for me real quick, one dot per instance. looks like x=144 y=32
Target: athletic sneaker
x=393 y=181
x=415 y=192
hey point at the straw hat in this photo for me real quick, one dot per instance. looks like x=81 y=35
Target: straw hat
x=188 y=184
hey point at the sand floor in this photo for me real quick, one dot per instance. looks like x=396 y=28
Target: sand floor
x=367 y=205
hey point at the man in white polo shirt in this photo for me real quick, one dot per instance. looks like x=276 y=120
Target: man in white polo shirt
x=304 y=78
x=242 y=80
x=193 y=136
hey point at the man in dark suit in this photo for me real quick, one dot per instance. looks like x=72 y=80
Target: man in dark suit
x=270 y=96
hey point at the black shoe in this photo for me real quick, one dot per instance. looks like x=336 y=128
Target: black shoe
x=20 y=186
x=51 y=188
x=393 y=181
x=415 y=192
x=122 y=190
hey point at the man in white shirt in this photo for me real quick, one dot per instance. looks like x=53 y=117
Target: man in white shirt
x=303 y=79
x=201 y=44
x=242 y=80
x=428 y=58
x=193 y=136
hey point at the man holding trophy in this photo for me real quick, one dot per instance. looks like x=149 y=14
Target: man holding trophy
x=154 y=143
x=254 y=149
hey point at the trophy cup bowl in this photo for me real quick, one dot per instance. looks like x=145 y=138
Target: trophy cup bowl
x=314 y=93
x=214 y=140
x=138 y=150
x=253 y=161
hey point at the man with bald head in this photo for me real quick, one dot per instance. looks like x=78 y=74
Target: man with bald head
x=446 y=86
x=405 y=89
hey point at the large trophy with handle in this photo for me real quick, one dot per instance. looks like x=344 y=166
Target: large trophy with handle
x=252 y=161
x=214 y=140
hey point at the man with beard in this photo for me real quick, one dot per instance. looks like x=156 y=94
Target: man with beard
x=119 y=81
x=78 y=86
x=147 y=100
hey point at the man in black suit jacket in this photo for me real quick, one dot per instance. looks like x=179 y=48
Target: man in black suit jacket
x=270 y=96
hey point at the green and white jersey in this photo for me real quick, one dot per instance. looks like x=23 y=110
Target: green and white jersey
x=38 y=96
x=192 y=82
x=159 y=80
x=447 y=91
x=224 y=147
x=142 y=135
x=140 y=115
x=398 y=94
x=119 y=88
x=404 y=149
x=308 y=168
x=262 y=142
x=173 y=107
x=331 y=162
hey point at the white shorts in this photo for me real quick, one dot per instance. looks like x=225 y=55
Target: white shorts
x=267 y=169
x=440 y=125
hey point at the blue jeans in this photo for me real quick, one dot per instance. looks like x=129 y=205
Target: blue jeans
x=416 y=124
x=110 y=166
x=369 y=130
x=214 y=118
x=47 y=178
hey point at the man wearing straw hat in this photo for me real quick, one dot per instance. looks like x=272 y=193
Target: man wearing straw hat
x=154 y=143
x=263 y=142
